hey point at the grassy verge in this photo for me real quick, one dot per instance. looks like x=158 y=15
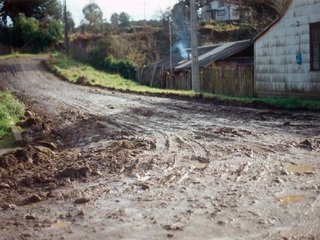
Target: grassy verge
x=73 y=70
x=15 y=55
x=10 y=111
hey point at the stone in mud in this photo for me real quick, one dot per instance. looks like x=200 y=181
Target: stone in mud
x=31 y=217
x=82 y=200
x=69 y=172
x=9 y=206
x=28 y=113
x=4 y=186
x=173 y=227
x=306 y=144
x=145 y=187
x=30 y=122
x=81 y=213
x=22 y=155
x=54 y=193
x=34 y=199
x=287 y=124
x=50 y=145
x=84 y=171
x=221 y=223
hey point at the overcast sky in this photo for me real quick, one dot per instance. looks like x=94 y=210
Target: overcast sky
x=137 y=9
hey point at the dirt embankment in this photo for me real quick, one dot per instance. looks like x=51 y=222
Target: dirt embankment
x=99 y=164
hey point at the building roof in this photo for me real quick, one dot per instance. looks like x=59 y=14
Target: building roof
x=274 y=22
x=177 y=59
x=221 y=52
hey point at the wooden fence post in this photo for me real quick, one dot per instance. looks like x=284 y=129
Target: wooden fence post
x=201 y=80
x=153 y=72
x=213 y=77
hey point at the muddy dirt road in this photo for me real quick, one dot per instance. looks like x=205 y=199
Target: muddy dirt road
x=126 y=166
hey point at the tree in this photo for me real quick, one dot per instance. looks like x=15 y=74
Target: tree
x=114 y=19
x=93 y=17
x=55 y=30
x=124 y=19
x=38 y=9
x=266 y=10
x=26 y=31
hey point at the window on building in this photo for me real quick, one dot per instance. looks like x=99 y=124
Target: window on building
x=315 y=46
x=235 y=12
x=221 y=4
x=221 y=13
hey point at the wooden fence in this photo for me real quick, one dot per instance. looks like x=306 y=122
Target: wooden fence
x=79 y=52
x=237 y=81
x=160 y=78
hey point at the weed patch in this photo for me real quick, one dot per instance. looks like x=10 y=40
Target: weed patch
x=10 y=111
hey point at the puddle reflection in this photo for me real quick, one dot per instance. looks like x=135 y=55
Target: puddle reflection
x=61 y=224
x=301 y=168
x=291 y=199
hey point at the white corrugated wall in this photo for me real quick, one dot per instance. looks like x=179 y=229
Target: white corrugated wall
x=276 y=70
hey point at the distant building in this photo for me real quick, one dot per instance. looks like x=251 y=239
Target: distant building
x=287 y=53
x=226 y=10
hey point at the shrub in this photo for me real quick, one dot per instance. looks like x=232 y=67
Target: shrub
x=203 y=23
x=123 y=67
x=27 y=31
x=96 y=59
x=10 y=111
x=215 y=23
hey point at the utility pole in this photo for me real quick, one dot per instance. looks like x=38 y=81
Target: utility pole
x=66 y=27
x=170 y=36
x=194 y=47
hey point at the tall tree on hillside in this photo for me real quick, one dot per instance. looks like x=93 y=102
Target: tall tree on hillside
x=124 y=19
x=114 y=19
x=38 y=9
x=266 y=10
x=93 y=17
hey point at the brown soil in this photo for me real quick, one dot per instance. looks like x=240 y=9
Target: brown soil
x=98 y=164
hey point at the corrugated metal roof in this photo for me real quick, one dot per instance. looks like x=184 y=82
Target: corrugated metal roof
x=177 y=59
x=219 y=53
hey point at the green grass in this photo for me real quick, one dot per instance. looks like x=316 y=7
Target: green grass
x=15 y=55
x=280 y=103
x=8 y=141
x=71 y=70
x=10 y=111
x=292 y=103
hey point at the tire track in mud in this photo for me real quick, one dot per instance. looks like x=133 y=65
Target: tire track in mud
x=244 y=154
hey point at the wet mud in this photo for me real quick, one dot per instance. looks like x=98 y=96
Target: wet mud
x=99 y=164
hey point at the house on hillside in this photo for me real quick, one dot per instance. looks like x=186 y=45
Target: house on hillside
x=225 y=10
x=287 y=53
